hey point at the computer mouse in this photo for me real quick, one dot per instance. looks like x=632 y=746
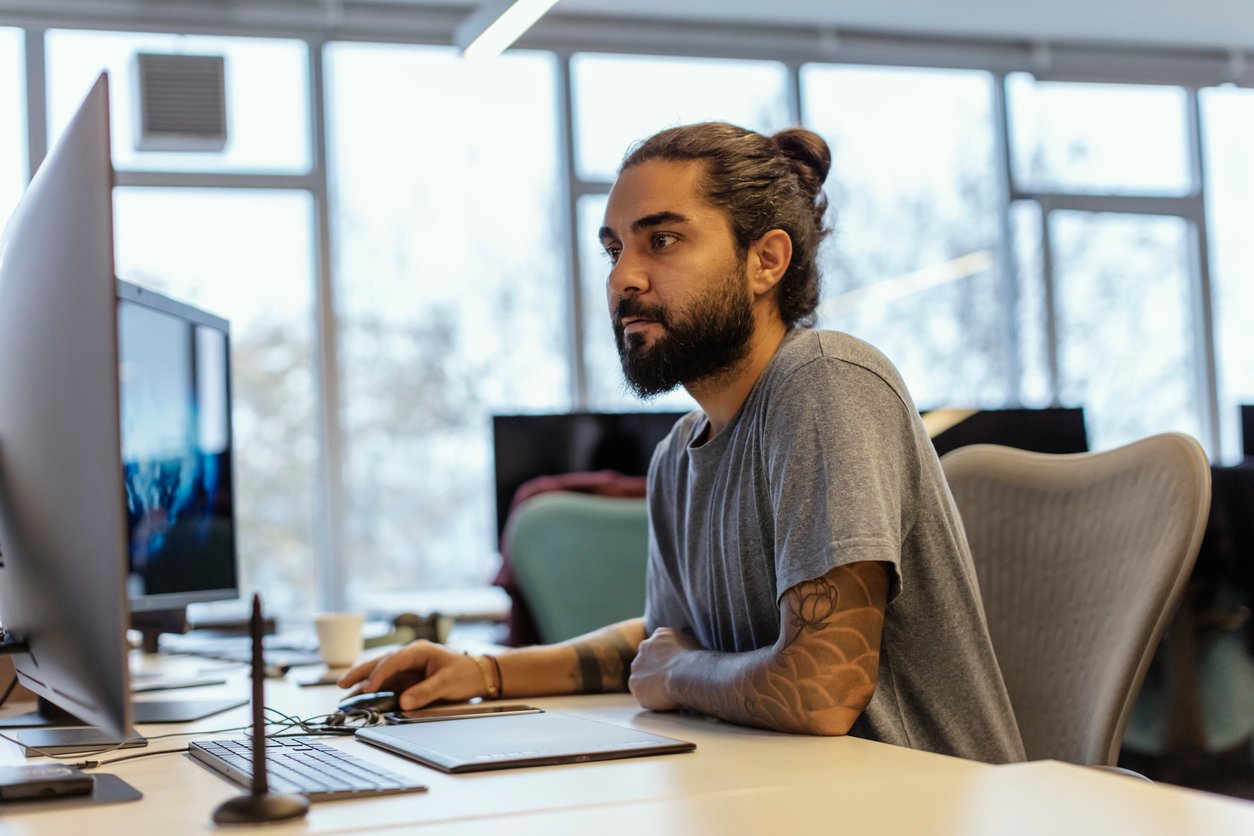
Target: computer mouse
x=377 y=701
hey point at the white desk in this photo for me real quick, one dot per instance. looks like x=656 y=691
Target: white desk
x=738 y=781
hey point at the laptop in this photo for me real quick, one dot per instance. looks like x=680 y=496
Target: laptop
x=474 y=744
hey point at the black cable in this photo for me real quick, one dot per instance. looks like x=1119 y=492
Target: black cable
x=308 y=727
x=85 y=765
x=287 y=725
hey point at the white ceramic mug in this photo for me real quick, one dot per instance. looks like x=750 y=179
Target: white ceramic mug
x=339 y=637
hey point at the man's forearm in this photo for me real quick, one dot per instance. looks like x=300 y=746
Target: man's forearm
x=815 y=680
x=593 y=663
x=758 y=689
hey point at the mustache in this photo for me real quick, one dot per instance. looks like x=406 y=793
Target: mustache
x=630 y=307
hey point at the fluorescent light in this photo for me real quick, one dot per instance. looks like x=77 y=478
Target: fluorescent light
x=889 y=290
x=494 y=26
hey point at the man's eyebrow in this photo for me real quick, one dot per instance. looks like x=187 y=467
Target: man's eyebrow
x=647 y=222
x=658 y=219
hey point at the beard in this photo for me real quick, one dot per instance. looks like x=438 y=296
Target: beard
x=709 y=338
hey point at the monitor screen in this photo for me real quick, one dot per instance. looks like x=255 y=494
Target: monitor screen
x=527 y=446
x=174 y=387
x=1049 y=430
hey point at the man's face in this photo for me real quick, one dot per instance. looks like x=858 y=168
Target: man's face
x=678 y=292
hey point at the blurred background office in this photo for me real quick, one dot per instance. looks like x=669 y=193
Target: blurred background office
x=1034 y=204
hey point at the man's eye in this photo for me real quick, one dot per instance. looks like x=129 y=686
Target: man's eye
x=612 y=254
x=662 y=240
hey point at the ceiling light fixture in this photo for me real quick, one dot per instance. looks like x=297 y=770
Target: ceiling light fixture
x=494 y=26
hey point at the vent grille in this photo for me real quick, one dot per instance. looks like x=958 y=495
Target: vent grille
x=182 y=102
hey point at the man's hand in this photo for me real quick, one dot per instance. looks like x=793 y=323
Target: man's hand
x=654 y=659
x=421 y=672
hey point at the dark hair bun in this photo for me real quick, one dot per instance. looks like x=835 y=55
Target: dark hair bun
x=808 y=151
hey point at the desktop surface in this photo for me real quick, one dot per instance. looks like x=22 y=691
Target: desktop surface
x=739 y=780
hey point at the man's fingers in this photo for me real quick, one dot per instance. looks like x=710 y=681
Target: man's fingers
x=412 y=658
x=425 y=692
x=375 y=674
x=358 y=672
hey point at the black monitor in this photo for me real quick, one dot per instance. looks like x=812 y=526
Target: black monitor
x=175 y=393
x=62 y=509
x=1049 y=430
x=527 y=446
x=64 y=526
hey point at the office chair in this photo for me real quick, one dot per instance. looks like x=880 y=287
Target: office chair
x=579 y=560
x=1081 y=560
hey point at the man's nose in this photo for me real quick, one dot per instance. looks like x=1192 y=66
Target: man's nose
x=627 y=277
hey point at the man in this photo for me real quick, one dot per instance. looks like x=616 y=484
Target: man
x=807 y=567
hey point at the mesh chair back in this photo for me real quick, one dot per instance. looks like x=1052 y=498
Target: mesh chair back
x=1081 y=560
x=579 y=560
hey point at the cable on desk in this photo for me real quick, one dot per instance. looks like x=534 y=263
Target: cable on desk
x=286 y=725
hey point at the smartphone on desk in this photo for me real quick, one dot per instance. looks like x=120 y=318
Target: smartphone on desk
x=33 y=781
x=458 y=712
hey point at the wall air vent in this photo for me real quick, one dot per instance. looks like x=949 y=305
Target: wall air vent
x=181 y=102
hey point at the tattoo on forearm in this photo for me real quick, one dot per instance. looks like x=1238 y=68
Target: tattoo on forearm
x=822 y=671
x=604 y=664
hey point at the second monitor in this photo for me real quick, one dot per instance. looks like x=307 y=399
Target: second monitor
x=175 y=404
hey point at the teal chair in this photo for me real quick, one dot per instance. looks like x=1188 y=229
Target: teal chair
x=579 y=560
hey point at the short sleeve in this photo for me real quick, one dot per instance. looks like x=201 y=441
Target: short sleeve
x=663 y=603
x=843 y=470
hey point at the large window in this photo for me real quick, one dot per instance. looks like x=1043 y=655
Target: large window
x=13 y=116
x=449 y=257
x=244 y=254
x=1229 y=121
x=910 y=266
x=1032 y=316
x=172 y=240
x=1109 y=138
x=1124 y=326
x=266 y=93
x=621 y=99
x=451 y=296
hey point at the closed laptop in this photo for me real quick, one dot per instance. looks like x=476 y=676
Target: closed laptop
x=501 y=742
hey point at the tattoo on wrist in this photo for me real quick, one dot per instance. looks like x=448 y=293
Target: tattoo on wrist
x=603 y=664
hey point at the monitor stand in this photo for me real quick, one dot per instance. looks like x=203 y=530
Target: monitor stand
x=162 y=711
x=152 y=623
x=39 y=742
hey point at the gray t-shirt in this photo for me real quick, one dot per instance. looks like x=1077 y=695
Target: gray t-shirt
x=828 y=463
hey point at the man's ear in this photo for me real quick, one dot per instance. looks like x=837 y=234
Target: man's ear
x=769 y=257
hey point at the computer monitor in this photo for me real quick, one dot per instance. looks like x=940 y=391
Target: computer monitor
x=65 y=530
x=175 y=394
x=527 y=446
x=62 y=506
x=1048 y=430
